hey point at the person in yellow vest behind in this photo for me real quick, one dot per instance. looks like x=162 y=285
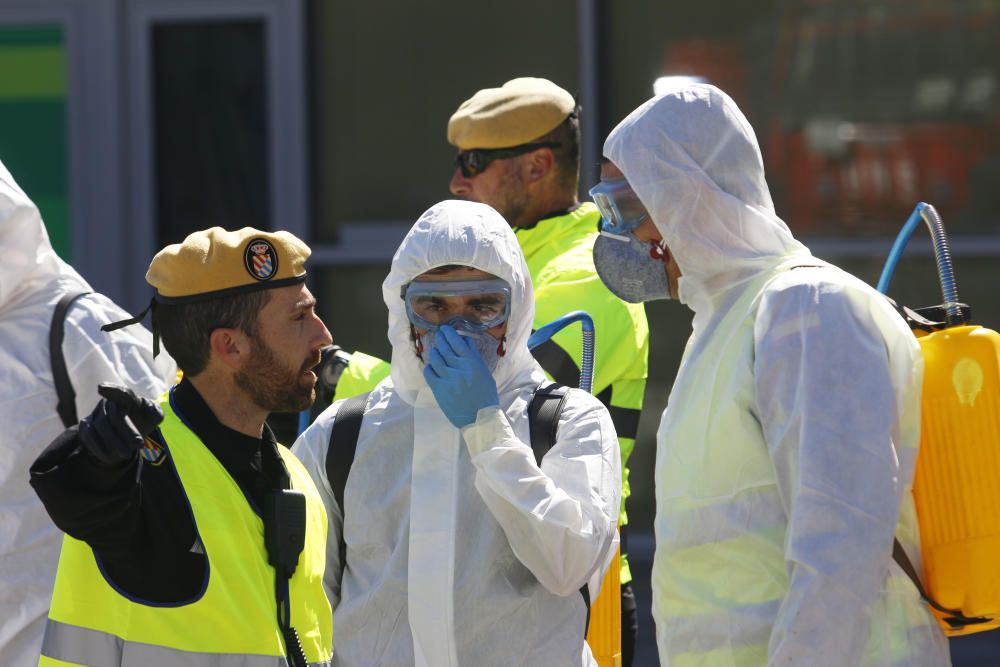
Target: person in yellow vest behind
x=343 y=374
x=193 y=538
x=786 y=454
x=519 y=152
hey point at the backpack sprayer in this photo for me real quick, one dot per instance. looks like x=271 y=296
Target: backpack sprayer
x=604 y=631
x=957 y=483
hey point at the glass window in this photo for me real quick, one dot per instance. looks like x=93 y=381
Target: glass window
x=383 y=90
x=210 y=127
x=860 y=109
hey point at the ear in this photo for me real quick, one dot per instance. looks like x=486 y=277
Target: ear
x=539 y=165
x=230 y=346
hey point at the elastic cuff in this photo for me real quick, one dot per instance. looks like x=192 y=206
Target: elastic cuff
x=486 y=431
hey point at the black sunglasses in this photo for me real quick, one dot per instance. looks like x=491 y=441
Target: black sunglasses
x=474 y=162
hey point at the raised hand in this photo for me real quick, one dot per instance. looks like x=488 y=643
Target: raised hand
x=458 y=377
x=114 y=431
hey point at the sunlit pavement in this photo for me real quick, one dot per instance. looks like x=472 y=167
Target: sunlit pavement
x=978 y=650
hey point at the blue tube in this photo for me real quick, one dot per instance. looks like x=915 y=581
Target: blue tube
x=942 y=257
x=897 y=248
x=303 y=421
x=587 y=357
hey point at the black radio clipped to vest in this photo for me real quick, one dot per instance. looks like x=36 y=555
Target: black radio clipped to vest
x=284 y=539
x=284 y=529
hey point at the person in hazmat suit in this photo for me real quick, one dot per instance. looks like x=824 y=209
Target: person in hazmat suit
x=519 y=151
x=33 y=280
x=786 y=453
x=453 y=546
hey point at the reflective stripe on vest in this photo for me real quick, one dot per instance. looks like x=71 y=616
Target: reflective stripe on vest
x=73 y=644
x=234 y=620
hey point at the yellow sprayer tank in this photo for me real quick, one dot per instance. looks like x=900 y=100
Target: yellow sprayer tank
x=957 y=483
x=605 y=631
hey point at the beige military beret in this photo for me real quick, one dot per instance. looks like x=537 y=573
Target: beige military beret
x=516 y=113
x=214 y=262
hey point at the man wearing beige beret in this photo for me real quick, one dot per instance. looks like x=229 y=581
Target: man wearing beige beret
x=519 y=151
x=193 y=538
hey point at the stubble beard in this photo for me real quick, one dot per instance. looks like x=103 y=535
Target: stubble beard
x=514 y=202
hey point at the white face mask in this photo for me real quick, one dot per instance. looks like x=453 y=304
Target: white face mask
x=488 y=346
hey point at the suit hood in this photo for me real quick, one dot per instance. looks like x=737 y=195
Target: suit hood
x=470 y=234
x=694 y=162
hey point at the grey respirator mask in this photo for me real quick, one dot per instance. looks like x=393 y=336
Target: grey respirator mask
x=631 y=269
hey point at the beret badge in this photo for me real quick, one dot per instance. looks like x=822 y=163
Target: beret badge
x=260 y=259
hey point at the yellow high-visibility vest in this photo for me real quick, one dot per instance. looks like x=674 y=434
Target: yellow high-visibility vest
x=234 y=618
x=361 y=375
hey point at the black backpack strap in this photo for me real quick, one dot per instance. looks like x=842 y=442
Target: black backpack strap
x=543 y=418
x=557 y=363
x=543 y=425
x=340 y=453
x=66 y=407
x=953 y=617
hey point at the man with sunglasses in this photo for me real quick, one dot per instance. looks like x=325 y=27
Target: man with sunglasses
x=519 y=151
x=786 y=454
x=453 y=540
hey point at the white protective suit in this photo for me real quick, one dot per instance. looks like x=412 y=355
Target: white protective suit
x=787 y=449
x=460 y=549
x=32 y=280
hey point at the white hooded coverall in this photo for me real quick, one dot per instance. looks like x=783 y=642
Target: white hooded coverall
x=786 y=452
x=460 y=549
x=32 y=280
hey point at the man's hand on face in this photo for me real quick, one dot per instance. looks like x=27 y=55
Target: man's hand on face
x=460 y=380
x=115 y=430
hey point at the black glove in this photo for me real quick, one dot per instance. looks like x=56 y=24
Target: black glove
x=114 y=431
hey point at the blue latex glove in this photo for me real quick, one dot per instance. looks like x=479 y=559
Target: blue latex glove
x=460 y=380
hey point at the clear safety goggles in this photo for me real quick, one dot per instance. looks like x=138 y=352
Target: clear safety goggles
x=470 y=306
x=621 y=210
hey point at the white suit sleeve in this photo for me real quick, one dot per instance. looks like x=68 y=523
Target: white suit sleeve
x=310 y=448
x=829 y=413
x=559 y=519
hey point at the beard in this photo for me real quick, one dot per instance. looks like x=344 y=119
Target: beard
x=273 y=386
